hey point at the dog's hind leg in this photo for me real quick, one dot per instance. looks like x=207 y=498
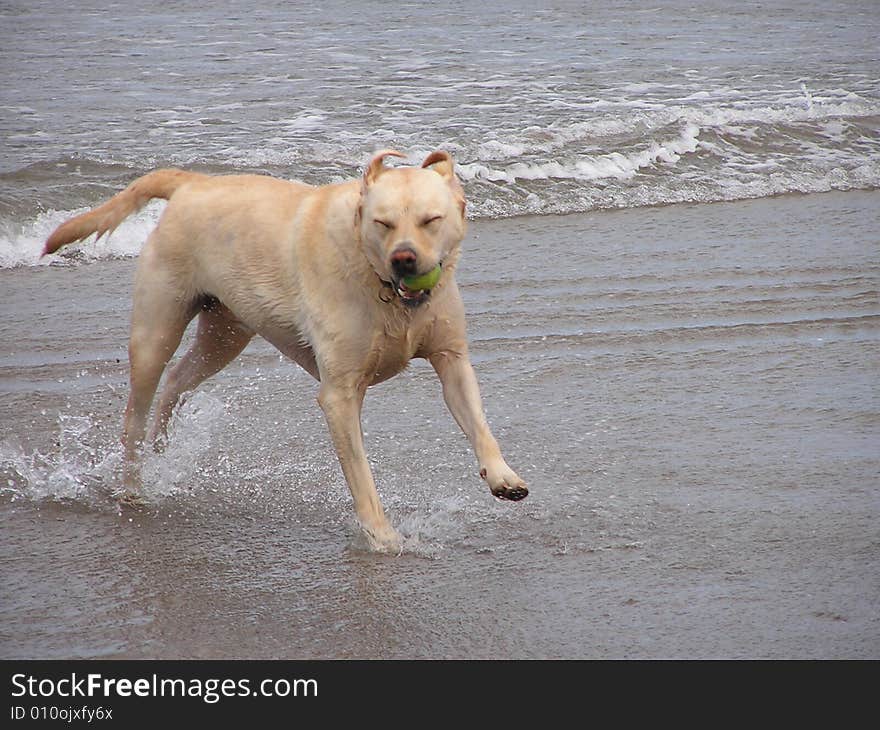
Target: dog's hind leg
x=220 y=338
x=160 y=314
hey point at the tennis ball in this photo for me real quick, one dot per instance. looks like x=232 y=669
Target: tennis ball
x=425 y=281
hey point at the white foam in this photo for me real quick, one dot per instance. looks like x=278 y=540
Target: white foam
x=591 y=167
x=494 y=149
x=719 y=108
x=22 y=244
x=308 y=122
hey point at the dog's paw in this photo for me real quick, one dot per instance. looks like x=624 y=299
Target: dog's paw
x=504 y=482
x=131 y=499
x=383 y=539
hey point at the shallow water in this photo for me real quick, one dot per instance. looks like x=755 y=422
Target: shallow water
x=690 y=391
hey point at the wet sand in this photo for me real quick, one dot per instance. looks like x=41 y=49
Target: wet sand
x=690 y=391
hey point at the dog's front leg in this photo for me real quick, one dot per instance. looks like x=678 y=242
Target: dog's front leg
x=342 y=409
x=462 y=396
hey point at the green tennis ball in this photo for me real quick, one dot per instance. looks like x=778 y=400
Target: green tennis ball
x=423 y=282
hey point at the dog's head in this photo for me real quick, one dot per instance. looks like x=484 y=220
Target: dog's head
x=411 y=221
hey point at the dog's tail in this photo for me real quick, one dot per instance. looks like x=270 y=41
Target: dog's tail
x=105 y=218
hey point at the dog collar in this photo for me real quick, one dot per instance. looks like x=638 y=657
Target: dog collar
x=386 y=285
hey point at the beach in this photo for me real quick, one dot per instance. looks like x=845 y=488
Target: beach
x=689 y=390
x=671 y=276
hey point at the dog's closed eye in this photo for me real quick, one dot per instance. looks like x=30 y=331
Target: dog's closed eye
x=384 y=224
x=432 y=219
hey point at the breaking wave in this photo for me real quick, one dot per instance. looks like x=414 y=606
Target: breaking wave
x=623 y=151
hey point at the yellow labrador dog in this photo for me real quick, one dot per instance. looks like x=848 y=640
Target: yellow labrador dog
x=320 y=273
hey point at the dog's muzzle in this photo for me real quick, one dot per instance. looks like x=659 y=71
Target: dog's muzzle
x=411 y=287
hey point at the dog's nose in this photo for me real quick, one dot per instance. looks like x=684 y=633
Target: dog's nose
x=403 y=261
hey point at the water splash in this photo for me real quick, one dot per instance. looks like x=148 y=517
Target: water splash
x=430 y=531
x=86 y=463
x=178 y=468
x=81 y=467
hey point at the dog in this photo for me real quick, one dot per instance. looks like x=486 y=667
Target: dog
x=318 y=271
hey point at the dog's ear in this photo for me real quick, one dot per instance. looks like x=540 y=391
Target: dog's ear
x=441 y=162
x=377 y=165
